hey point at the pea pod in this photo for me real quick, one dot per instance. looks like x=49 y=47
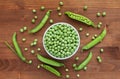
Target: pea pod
x=80 y=18
x=95 y=41
x=51 y=69
x=84 y=63
x=42 y=23
x=18 y=50
x=49 y=61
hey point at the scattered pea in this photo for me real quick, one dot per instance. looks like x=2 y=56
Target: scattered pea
x=93 y=38
x=99 y=59
x=32 y=44
x=51 y=21
x=59 y=13
x=30 y=61
x=61 y=3
x=35 y=17
x=98 y=26
x=101 y=50
x=67 y=76
x=35 y=40
x=38 y=49
x=77 y=58
x=85 y=68
x=66 y=70
x=74 y=65
x=35 y=43
x=32 y=51
x=26 y=49
x=21 y=30
x=95 y=35
x=98 y=14
x=78 y=75
x=85 y=7
x=38 y=66
x=42 y=8
x=100 y=23
x=34 y=11
x=87 y=34
x=58 y=8
x=33 y=21
x=81 y=29
x=103 y=14
x=24 y=28
x=23 y=39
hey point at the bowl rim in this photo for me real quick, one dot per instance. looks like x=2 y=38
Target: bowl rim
x=73 y=52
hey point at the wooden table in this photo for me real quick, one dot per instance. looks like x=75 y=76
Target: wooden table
x=15 y=14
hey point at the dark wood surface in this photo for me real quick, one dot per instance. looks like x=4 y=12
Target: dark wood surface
x=14 y=14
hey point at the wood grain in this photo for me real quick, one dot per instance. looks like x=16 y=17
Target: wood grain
x=15 y=14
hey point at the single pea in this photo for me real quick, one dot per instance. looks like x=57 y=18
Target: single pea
x=35 y=40
x=66 y=70
x=42 y=8
x=98 y=14
x=101 y=50
x=61 y=3
x=33 y=21
x=67 y=76
x=24 y=28
x=78 y=75
x=100 y=23
x=95 y=35
x=34 y=11
x=32 y=51
x=21 y=30
x=87 y=34
x=38 y=49
x=35 y=17
x=77 y=58
x=26 y=49
x=93 y=38
x=32 y=44
x=98 y=26
x=35 y=43
x=85 y=68
x=85 y=7
x=58 y=8
x=38 y=66
x=23 y=39
x=103 y=14
x=74 y=65
x=81 y=29
x=30 y=61
x=59 y=13
x=51 y=21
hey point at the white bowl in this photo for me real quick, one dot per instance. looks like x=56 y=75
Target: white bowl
x=73 y=52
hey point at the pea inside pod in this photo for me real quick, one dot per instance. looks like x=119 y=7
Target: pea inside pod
x=80 y=18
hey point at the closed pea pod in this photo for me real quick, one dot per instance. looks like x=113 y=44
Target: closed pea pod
x=49 y=61
x=80 y=18
x=95 y=41
x=42 y=23
x=51 y=69
x=84 y=63
x=18 y=50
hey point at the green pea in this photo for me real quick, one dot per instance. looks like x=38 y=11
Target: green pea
x=26 y=49
x=98 y=26
x=59 y=13
x=35 y=40
x=35 y=17
x=95 y=35
x=38 y=66
x=101 y=50
x=100 y=23
x=32 y=51
x=23 y=39
x=78 y=75
x=32 y=44
x=58 y=8
x=99 y=59
x=81 y=29
x=67 y=76
x=42 y=8
x=24 y=28
x=98 y=14
x=103 y=14
x=77 y=58
x=35 y=43
x=74 y=65
x=38 y=49
x=85 y=68
x=30 y=61
x=61 y=3
x=85 y=7
x=87 y=34
x=93 y=38
x=66 y=70
x=21 y=30
x=34 y=11
x=51 y=21
x=33 y=21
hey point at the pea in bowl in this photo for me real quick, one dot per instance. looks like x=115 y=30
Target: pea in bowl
x=61 y=41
